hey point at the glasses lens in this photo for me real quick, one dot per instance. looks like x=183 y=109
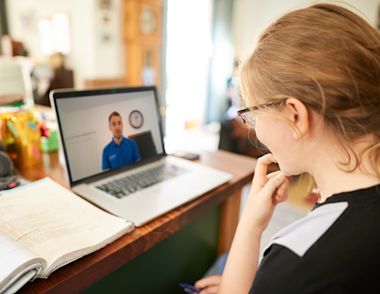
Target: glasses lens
x=250 y=119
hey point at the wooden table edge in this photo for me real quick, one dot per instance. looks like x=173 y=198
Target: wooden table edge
x=86 y=271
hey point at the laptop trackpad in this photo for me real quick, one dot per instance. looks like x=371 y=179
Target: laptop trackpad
x=179 y=191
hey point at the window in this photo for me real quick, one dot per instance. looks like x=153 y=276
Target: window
x=54 y=33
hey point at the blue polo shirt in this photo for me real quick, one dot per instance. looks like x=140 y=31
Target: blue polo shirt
x=118 y=155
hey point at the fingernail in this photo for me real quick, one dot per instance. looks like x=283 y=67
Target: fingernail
x=280 y=176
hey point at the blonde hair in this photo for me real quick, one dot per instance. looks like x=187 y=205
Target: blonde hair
x=329 y=58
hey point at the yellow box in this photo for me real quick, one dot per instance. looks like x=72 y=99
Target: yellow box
x=21 y=136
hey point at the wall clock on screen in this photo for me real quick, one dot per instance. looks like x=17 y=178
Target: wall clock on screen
x=136 y=119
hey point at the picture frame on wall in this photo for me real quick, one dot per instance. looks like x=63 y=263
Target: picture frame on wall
x=105 y=4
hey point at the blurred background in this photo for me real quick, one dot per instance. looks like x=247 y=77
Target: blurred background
x=189 y=49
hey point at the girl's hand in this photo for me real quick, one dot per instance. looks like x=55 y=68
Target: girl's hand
x=266 y=192
x=209 y=285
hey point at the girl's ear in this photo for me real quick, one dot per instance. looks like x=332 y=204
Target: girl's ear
x=299 y=115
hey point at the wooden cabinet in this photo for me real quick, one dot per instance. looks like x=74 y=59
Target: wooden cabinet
x=143 y=37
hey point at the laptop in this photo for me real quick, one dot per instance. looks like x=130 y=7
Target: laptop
x=114 y=154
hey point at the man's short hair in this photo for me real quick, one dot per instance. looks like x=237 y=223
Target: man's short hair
x=115 y=113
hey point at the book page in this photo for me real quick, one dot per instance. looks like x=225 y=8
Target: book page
x=52 y=221
x=14 y=258
x=21 y=282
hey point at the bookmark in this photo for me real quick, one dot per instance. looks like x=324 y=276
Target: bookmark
x=33 y=126
x=9 y=141
x=35 y=152
x=12 y=127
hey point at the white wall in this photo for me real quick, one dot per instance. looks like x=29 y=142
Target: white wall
x=89 y=58
x=252 y=16
x=110 y=58
x=90 y=115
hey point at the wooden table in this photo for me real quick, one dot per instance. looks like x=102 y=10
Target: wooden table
x=84 y=272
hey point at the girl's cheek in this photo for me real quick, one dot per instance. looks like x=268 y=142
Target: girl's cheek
x=262 y=134
x=258 y=130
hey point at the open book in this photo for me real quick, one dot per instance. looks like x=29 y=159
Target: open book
x=44 y=226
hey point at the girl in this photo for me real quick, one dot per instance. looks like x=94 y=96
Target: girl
x=311 y=89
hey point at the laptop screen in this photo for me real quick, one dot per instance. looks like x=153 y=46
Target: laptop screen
x=103 y=130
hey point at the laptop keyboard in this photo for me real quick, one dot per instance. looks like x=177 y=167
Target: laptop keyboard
x=125 y=186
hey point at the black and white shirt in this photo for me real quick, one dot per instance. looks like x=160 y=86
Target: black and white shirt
x=334 y=249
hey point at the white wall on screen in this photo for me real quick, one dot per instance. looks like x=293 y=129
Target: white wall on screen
x=82 y=156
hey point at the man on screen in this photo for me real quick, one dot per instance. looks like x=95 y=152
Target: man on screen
x=121 y=150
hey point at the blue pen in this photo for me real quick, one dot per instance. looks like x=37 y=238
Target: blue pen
x=189 y=287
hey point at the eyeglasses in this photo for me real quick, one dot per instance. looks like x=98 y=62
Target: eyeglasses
x=249 y=118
